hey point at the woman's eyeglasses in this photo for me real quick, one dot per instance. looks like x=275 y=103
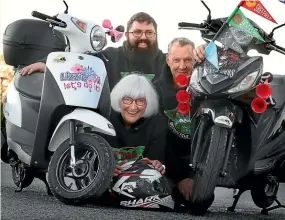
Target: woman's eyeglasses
x=129 y=101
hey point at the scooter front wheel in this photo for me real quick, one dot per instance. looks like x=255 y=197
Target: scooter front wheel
x=91 y=175
x=210 y=159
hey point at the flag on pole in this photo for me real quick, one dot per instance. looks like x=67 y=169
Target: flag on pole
x=211 y=50
x=211 y=54
x=258 y=8
x=236 y=19
x=239 y=21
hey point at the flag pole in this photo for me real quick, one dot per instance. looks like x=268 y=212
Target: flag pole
x=225 y=24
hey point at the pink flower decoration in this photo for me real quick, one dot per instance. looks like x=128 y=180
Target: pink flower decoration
x=89 y=81
x=77 y=68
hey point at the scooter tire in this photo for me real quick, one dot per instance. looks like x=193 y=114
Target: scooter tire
x=210 y=161
x=98 y=185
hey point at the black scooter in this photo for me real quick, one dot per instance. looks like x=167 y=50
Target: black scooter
x=238 y=121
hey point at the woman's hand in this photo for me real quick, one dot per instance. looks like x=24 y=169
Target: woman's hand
x=118 y=168
x=156 y=164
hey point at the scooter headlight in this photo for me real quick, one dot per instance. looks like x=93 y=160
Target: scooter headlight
x=98 y=38
x=245 y=84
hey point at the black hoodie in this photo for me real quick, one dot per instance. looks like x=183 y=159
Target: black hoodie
x=178 y=137
x=123 y=60
x=150 y=133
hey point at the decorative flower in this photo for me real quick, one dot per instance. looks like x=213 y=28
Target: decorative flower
x=183 y=108
x=182 y=96
x=89 y=81
x=182 y=80
x=77 y=68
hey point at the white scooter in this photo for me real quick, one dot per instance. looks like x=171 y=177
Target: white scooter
x=60 y=131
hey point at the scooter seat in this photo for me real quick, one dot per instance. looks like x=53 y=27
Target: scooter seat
x=278 y=90
x=29 y=85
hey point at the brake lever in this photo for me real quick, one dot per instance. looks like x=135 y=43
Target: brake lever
x=57 y=23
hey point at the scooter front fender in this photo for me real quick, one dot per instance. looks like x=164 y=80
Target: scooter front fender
x=85 y=117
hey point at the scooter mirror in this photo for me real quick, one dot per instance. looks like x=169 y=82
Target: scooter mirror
x=66 y=7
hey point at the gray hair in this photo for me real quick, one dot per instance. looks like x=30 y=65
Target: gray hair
x=182 y=41
x=135 y=86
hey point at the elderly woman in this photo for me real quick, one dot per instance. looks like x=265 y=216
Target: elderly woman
x=140 y=129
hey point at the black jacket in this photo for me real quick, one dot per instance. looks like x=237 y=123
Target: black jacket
x=147 y=132
x=178 y=137
x=120 y=61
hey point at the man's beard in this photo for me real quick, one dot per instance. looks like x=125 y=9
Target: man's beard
x=136 y=53
x=150 y=46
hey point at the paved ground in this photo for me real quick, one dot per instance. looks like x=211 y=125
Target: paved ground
x=34 y=203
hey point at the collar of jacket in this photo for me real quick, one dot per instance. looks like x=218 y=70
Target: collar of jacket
x=134 y=127
x=166 y=78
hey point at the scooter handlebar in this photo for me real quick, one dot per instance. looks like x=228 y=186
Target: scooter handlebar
x=282 y=49
x=189 y=25
x=41 y=16
x=55 y=21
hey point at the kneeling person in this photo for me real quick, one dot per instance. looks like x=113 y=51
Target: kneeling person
x=139 y=143
x=140 y=129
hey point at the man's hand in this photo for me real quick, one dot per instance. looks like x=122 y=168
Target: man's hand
x=185 y=188
x=156 y=164
x=118 y=168
x=35 y=67
x=199 y=53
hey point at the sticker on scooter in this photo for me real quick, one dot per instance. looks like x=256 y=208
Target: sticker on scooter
x=228 y=63
x=59 y=59
x=81 y=77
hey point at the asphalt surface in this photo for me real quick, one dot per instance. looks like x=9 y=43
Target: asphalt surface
x=34 y=203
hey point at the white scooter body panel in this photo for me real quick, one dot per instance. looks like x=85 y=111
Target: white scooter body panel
x=79 y=40
x=98 y=123
x=12 y=108
x=80 y=77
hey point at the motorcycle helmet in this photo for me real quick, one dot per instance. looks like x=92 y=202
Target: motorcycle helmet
x=141 y=186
